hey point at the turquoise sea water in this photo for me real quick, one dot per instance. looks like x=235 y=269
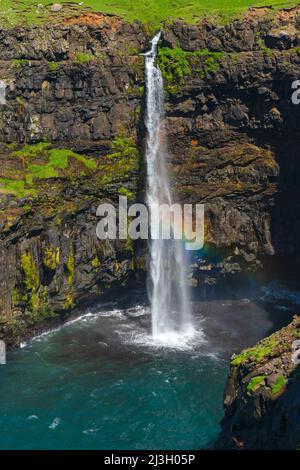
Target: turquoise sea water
x=100 y=383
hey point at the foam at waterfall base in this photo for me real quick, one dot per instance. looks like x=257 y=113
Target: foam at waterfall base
x=182 y=341
x=132 y=327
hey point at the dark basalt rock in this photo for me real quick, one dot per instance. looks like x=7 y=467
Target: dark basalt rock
x=280 y=30
x=261 y=398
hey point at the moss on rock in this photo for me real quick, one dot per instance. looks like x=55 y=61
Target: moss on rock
x=71 y=265
x=32 y=279
x=96 y=263
x=121 y=162
x=26 y=166
x=178 y=65
x=32 y=282
x=279 y=385
x=255 y=383
x=51 y=257
x=273 y=346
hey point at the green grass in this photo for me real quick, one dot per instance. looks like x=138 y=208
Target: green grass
x=255 y=383
x=121 y=162
x=279 y=385
x=41 y=172
x=18 y=63
x=15 y=187
x=53 y=66
x=82 y=58
x=32 y=151
x=153 y=12
x=177 y=65
x=258 y=353
x=87 y=162
x=39 y=162
x=174 y=64
x=58 y=159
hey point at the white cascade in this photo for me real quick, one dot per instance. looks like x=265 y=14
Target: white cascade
x=170 y=309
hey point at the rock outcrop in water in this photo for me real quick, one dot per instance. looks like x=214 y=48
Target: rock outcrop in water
x=233 y=137
x=261 y=399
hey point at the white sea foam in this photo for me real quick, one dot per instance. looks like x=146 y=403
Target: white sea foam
x=179 y=341
x=55 y=423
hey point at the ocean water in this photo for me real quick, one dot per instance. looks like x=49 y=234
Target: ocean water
x=100 y=382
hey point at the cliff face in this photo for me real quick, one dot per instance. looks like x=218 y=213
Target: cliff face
x=74 y=85
x=69 y=89
x=234 y=132
x=72 y=136
x=261 y=399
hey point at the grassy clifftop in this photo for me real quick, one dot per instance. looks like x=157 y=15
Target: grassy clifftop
x=153 y=12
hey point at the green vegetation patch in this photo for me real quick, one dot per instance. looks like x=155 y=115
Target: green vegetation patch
x=53 y=66
x=19 y=63
x=26 y=166
x=151 y=12
x=32 y=151
x=16 y=187
x=96 y=263
x=31 y=280
x=71 y=265
x=255 y=383
x=126 y=192
x=36 y=296
x=279 y=385
x=178 y=65
x=174 y=64
x=273 y=346
x=51 y=257
x=87 y=162
x=83 y=58
x=266 y=50
x=121 y=162
x=256 y=354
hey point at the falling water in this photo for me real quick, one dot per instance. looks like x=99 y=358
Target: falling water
x=3 y=86
x=171 y=316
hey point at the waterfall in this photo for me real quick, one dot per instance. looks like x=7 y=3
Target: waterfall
x=171 y=315
x=3 y=86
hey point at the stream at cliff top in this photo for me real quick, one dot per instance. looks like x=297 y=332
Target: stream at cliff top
x=100 y=382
